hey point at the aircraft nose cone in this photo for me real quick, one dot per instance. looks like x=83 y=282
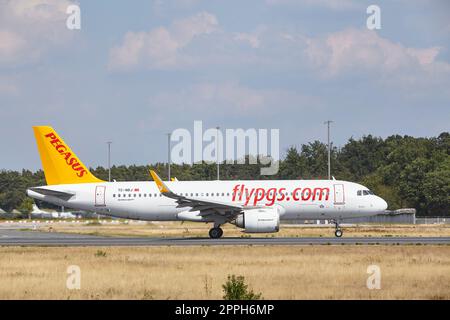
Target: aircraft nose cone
x=382 y=204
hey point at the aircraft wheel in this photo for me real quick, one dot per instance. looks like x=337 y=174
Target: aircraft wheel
x=338 y=233
x=215 y=233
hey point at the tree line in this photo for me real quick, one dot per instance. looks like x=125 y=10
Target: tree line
x=404 y=170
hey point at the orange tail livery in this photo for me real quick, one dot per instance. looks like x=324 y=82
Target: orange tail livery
x=61 y=165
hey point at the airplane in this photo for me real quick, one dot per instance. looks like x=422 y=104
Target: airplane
x=255 y=206
x=38 y=213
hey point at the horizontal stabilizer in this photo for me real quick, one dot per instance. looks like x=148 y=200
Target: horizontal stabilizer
x=49 y=192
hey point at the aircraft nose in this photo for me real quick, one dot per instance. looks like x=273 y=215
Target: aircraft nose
x=382 y=204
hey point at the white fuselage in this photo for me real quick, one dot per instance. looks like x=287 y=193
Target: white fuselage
x=294 y=199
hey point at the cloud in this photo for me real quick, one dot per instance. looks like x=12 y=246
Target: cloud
x=227 y=99
x=8 y=87
x=329 y=4
x=230 y=94
x=198 y=43
x=363 y=50
x=160 y=47
x=29 y=28
x=251 y=39
x=11 y=46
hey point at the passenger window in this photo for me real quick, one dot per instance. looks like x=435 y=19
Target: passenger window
x=114 y=195
x=359 y=192
x=365 y=192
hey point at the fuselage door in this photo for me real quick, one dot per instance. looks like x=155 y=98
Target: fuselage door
x=100 y=196
x=339 y=197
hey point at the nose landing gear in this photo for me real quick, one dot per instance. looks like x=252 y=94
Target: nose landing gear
x=338 y=231
x=215 y=233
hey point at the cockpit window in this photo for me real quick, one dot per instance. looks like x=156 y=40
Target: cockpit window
x=364 y=192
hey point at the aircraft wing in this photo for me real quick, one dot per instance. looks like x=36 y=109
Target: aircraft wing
x=205 y=207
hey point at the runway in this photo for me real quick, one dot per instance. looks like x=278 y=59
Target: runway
x=14 y=237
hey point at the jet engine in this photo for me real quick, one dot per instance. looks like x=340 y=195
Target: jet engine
x=259 y=220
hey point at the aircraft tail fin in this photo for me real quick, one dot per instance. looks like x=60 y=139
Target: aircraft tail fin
x=35 y=208
x=61 y=165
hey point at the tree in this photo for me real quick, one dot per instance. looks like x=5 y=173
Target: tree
x=26 y=207
x=364 y=156
x=404 y=170
x=410 y=183
x=374 y=181
x=294 y=165
x=316 y=155
x=436 y=190
x=236 y=289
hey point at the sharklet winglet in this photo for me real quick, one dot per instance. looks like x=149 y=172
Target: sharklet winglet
x=161 y=185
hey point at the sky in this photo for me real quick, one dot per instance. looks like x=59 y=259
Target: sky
x=137 y=70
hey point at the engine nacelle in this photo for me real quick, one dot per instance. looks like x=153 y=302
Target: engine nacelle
x=259 y=220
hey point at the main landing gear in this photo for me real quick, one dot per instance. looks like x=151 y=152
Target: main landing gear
x=215 y=233
x=338 y=231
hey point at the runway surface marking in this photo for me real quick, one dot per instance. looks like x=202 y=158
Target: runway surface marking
x=36 y=238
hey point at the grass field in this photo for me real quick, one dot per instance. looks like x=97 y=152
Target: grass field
x=311 y=272
x=189 y=229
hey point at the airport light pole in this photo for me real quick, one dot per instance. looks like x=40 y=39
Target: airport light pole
x=169 y=160
x=328 y=122
x=109 y=160
x=217 y=153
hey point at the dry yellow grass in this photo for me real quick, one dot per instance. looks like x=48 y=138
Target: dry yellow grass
x=312 y=272
x=187 y=229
